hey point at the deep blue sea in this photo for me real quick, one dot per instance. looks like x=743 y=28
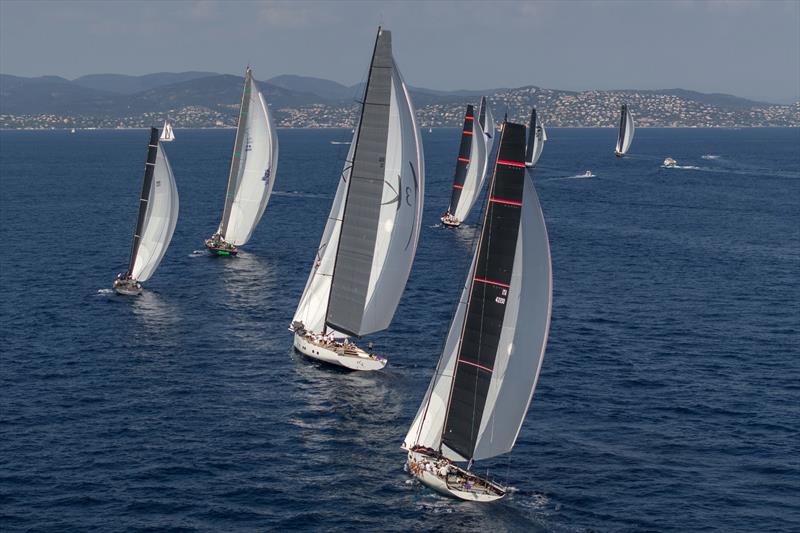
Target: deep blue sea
x=669 y=398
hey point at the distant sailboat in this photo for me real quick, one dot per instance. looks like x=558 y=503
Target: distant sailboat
x=482 y=387
x=626 y=129
x=167 y=135
x=158 y=214
x=472 y=164
x=537 y=136
x=370 y=239
x=252 y=174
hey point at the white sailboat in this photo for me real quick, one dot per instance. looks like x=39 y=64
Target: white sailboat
x=537 y=136
x=370 y=239
x=484 y=381
x=252 y=174
x=472 y=164
x=158 y=214
x=167 y=135
x=626 y=129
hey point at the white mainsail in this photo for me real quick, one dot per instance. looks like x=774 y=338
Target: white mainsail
x=167 y=135
x=159 y=220
x=253 y=167
x=627 y=128
x=520 y=349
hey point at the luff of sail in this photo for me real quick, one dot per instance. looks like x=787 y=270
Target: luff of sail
x=383 y=204
x=253 y=167
x=478 y=397
x=158 y=213
x=626 y=130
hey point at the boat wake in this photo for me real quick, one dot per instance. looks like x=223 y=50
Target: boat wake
x=105 y=291
x=198 y=253
x=709 y=156
x=300 y=194
x=340 y=142
x=685 y=167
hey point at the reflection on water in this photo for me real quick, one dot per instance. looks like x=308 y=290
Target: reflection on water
x=156 y=314
x=249 y=283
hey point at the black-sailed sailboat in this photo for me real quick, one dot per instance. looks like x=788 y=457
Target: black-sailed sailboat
x=536 y=139
x=626 y=129
x=472 y=163
x=483 y=384
x=155 y=224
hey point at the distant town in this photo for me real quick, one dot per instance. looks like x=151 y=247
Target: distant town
x=213 y=102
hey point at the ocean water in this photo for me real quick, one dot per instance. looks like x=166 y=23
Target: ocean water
x=669 y=398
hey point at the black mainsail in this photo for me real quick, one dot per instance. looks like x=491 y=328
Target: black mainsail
x=144 y=198
x=485 y=311
x=463 y=160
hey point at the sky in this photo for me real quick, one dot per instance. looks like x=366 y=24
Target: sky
x=746 y=48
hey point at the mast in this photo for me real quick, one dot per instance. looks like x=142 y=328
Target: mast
x=464 y=154
x=147 y=184
x=488 y=292
x=236 y=160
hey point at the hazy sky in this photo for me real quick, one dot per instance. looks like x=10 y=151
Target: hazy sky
x=746 y=48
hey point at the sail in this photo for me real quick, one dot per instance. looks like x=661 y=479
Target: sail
x=383 y=204
x=253 y=167
x=470 y=169
x=486 y=123
x=313 y=303
x=626 y=129
x=536 y=139
x=167 y=135
x=496 y=365
x=158 y=213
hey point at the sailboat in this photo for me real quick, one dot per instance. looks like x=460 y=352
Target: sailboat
x=626 y=129
x=536 y=139
x=369 y=242
x=158 y=213
x=252 y=174
x=484 y=381
x=472 y=164
x=167 y=135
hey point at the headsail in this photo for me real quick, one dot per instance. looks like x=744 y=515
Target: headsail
x=158 y=213
x=626 y=129
x=383 y=204
x=477 y=400
x=253 y=167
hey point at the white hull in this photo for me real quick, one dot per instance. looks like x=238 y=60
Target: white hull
x=452 y=484
x=128 y=291
x=352 y=357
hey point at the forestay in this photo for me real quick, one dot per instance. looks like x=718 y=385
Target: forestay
x=383 y=204
x=253 y=167
x=477 y=400
x=158 y=213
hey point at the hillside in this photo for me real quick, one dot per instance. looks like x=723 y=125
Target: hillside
x=199 y=99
